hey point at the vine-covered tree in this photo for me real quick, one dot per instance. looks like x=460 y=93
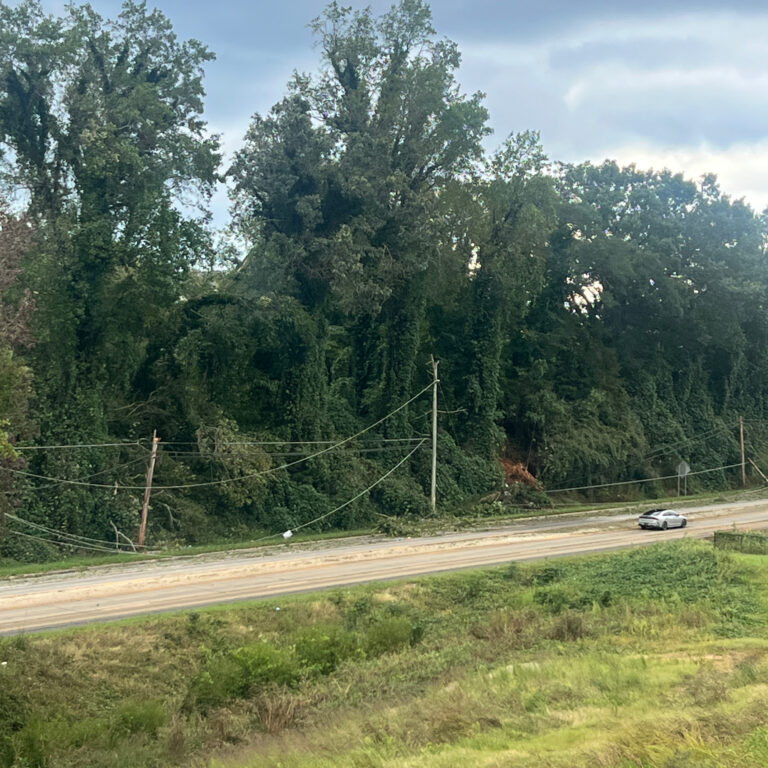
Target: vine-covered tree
x=339 y=186
x=101 y=130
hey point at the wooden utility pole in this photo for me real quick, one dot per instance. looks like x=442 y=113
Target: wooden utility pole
x=743 y=463
x=433 y=486
x=148 y=490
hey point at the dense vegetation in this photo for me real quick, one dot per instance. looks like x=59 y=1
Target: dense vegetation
x=577 y=662
x=595 y=323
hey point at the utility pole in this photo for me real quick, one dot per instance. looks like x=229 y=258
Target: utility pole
x=743 y=463
x=148 y=490
x=433 y=487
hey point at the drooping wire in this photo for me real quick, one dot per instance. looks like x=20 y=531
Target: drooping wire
x=645 y=480
x=75 y=538
x=225 y=481
x=257 y=443
x=84 y=445
x=67 y=544
x=349 y=501
x=362 y=493
x=661 y=450
x=78 y=480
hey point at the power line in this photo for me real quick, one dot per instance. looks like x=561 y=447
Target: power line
x=84 y=445
x=222 y=457
x=67 y=544
x=55 y=482
x=646 y=480
x=303 y=442
x=62 y=534
x=362 y=493
x=657 y=452
x=225 y=481
x=665 y=448
x=346 y=503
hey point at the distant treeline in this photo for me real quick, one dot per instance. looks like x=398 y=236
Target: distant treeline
x=595 y=323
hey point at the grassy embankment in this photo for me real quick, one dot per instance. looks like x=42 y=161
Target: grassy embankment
x=652 y=658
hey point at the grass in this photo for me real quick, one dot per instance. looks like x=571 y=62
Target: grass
x=592 y=661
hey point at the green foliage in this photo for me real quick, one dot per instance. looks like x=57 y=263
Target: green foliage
x=596 y=323
x=262 y=663
x=322 y=648
x=751 y=542
x=139 y=716
x=401 y=496
x=391 y=635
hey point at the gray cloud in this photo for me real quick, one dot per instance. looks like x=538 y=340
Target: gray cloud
x=682 y=84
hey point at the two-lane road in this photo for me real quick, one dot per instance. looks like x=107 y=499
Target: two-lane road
x=33 y=603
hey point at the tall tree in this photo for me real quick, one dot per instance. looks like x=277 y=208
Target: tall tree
x=15 y=336
x=338 y=186
x=101 y=129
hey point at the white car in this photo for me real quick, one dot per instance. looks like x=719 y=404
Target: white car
x=661 y=519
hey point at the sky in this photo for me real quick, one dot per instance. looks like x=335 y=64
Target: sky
x=662 y=84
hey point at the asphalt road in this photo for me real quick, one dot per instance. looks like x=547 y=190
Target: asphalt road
x=30 y=604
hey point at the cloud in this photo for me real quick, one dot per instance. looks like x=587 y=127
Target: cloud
x=688 y=90
x=741 y=169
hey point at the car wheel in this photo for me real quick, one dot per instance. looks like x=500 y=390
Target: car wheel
x=684 y=523
x=664 y=526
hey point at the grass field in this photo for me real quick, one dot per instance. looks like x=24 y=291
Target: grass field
x=652 y=658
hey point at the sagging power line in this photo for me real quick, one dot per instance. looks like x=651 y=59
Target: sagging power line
x=225 y=481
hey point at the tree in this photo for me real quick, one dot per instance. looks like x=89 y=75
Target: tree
x=101 y=129
x=339 y=185
x=15 y=337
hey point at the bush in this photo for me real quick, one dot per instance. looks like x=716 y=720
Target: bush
x=322 y=648
x=397 y=526
x=139 y=716
x=391 y=635
x=262 y=663
x=568 y=627
x=522 y=495
x=401 y=496
x=233 y=675
x=219 y=680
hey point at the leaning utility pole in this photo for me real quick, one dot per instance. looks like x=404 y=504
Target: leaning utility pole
x=433 y=487
x=148 y=490
x=743 y=463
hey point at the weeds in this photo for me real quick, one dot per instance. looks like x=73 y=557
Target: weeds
x=521 y=658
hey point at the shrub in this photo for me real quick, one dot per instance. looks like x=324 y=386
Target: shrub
x=568 y=627
x=391 y=635
x=401 y=496
x=707 y=687
x=232 y=675
x=139 y=716
x=547 y=574
x=553 y=599
x=359 y=610
x=522 y=495
x=322 y=648
x=220 y=679
x=262 y=663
